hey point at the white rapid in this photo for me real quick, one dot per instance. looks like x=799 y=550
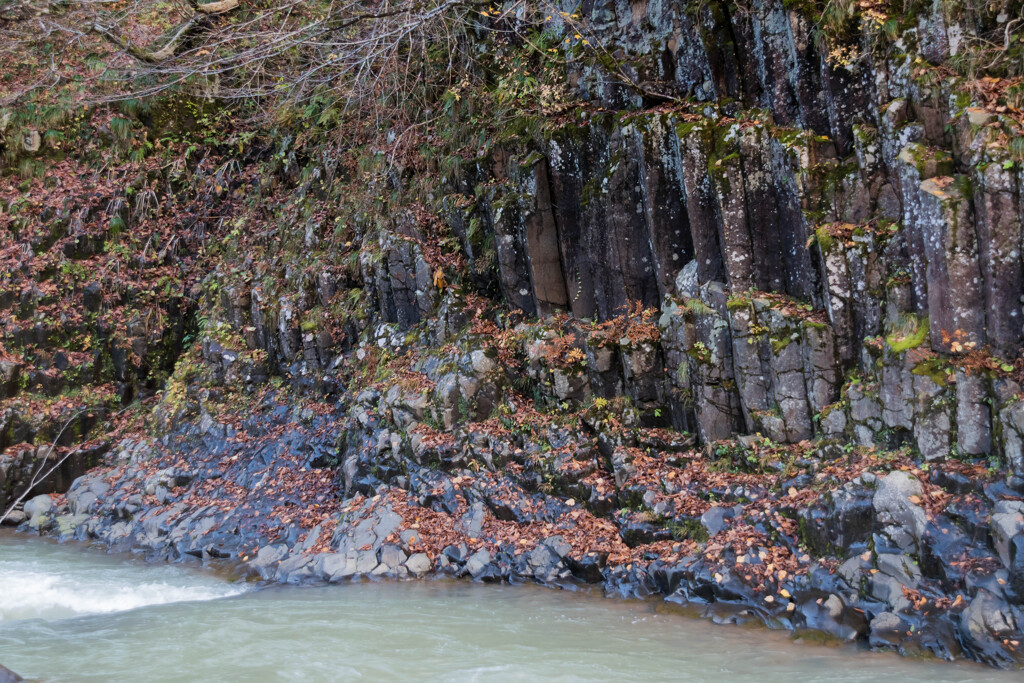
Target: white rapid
x=42 y=580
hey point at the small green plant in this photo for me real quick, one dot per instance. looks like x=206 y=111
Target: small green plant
x=701 y=352
x=909 y=333
x=688 y=529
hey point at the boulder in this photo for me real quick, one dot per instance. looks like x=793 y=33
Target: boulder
x=477 y=563
x=418 y=564
x=8 y=676
x=39 y=505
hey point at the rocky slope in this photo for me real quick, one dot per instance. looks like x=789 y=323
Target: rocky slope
x=533 y=362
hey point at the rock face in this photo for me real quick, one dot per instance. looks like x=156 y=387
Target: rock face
x=851 y=234
x=845 y=251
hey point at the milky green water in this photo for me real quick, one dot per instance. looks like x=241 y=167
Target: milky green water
x=72 y=614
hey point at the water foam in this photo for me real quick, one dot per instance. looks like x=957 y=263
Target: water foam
x=28 y=593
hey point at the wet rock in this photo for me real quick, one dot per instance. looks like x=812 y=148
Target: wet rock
x=900 y=567
x=888 y=630
x=984 y=625
x=544 y=562
x=67 y=525
x=840 y=523
x=168 y=478
x=15 y=518
x=1007 y=521
x=268 y=557
x=8 y=676
x=887 y=590
x=85 y=492
x=456 y=554
x=588 y=568
x=952 y=480
x=828 y=613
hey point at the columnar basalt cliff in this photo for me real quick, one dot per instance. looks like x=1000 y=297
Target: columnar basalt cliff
x=741 y=325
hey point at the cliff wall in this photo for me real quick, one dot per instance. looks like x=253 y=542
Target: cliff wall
x=736 y=319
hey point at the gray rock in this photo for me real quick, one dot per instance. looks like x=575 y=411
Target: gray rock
x=987 y=620
x=903 y=522
x=864 y=407
x=15 y=517
x=419 y=564
x=558 y=545
x=893 y=492
x=387 y=523
x=1007 y=521
x=8 y=676
x=834 y=423
x=392 y=557
x=269 y=556
x=477 y=562
x=482 y=364
x=853 y=571
x=717 y=518
x=973 y=415
x=337 y=566
x=833 y=606
x=932 y=433
x=38 y=505
x=887 y=623
x=900 y=567
x=295 y=569
x=570 y=385
x=472 y=521
x=366 y=561
x=888 y=590
x=1016 y=566
x=68 y=524
x=541 y=559
x=80 y=503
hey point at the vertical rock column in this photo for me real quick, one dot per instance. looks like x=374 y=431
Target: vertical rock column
x=998 y=208
x=955 y=287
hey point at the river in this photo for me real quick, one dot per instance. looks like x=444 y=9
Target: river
x=68 y=613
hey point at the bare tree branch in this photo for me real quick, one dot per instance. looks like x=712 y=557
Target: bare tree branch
x=40 y=474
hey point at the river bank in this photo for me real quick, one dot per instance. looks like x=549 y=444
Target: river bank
x=434 y=630
x=852 y=545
